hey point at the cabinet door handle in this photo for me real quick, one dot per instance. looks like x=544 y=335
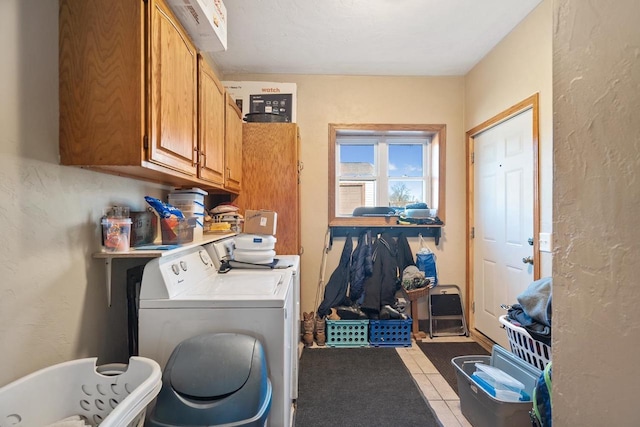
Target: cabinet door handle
x=194 y=158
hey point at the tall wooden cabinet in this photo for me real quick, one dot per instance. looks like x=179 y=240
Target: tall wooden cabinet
x=129 y=86
x=271 y=178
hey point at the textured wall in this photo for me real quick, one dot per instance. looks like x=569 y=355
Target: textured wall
x=596 y=74
x=52 y=292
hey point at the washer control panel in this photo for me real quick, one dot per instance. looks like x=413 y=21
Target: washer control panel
x=186 y=269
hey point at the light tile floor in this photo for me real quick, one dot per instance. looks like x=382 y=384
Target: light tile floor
x=435 y=390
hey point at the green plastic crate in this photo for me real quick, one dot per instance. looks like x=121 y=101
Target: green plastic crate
x=347 y=333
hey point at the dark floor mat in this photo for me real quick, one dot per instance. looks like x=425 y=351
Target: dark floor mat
x=441 y=353
x=358 y=387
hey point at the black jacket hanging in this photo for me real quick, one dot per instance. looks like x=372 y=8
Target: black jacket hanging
x=361 y=266
x=380 y=288
x=335 y=293
x=405 y=256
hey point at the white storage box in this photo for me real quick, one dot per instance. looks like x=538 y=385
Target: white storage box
x=254 y=242
x=114 y=395
x=264 y=97
x=263 y=256
x=187 y=196
x=191 y=202
x=204 y=20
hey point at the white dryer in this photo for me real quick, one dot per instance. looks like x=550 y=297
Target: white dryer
x=222 y=250
x=183 y=295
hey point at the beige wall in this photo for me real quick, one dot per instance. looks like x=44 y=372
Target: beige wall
x=52 y=294
x=596 y=74
x=53 y=304
x=342 y=99
x=518 y=67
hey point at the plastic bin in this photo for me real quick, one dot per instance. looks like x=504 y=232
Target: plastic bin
x=113 y=395
x=524 y=346
x=177 y=232
x=484 y=410
x=187 y=197
x=347 y=333
x=214 y=380
x=390 y=333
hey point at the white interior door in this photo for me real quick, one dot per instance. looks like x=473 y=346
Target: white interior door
x=503 y=220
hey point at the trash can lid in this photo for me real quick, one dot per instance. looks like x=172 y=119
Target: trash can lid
x=212 y=365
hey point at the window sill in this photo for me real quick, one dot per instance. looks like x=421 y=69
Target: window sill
x=342 y=227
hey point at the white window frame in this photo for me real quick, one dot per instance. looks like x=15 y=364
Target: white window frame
x=380 y=176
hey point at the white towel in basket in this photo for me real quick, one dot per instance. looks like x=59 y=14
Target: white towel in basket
x=73 y=421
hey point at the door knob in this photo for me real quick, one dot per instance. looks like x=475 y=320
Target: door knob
x=528 y=260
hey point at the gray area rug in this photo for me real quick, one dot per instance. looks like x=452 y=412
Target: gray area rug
x=358 y=387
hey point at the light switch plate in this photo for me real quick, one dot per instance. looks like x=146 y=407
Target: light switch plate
x=545 y=242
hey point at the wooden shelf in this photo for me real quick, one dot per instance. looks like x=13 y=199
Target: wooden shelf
x=434 y=231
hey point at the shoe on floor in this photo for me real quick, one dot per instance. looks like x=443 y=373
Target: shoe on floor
x=351 y=313
x=388 y=312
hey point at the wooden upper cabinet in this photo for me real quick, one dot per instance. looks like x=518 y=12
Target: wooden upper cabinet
x=233 y=145
x=173 y=86
x=128 y=91
x=211 y=106
x=102 y=82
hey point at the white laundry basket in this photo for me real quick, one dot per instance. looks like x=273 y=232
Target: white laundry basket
x=114 y=395
x=524 y=346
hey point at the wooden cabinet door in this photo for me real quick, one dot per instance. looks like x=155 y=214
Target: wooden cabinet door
x=173 y=93
x=101 y=90
x=271 y=180
x=211 y=105
x=233 y=145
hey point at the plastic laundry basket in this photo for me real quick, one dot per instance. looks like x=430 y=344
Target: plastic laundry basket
x=113 y=395
x=524 y=346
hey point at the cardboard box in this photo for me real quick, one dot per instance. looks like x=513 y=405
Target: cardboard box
x=264 y=97
x=204 y=20
x=260 y=222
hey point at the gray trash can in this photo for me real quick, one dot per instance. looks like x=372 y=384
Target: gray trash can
x=214 y=380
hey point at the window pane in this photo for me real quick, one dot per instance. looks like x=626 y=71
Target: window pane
x=357 y=160
x=353 y=194
x=402 y=193
x=405 y=160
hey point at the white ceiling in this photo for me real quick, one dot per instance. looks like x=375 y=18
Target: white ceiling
x=365 y=37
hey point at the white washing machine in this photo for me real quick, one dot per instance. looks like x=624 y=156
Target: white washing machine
x=221 y=250
x=183 y=295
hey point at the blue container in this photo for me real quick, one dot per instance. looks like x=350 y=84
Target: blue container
x=390 y=333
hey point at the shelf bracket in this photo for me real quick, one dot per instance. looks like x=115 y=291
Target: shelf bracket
x=107 y=266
